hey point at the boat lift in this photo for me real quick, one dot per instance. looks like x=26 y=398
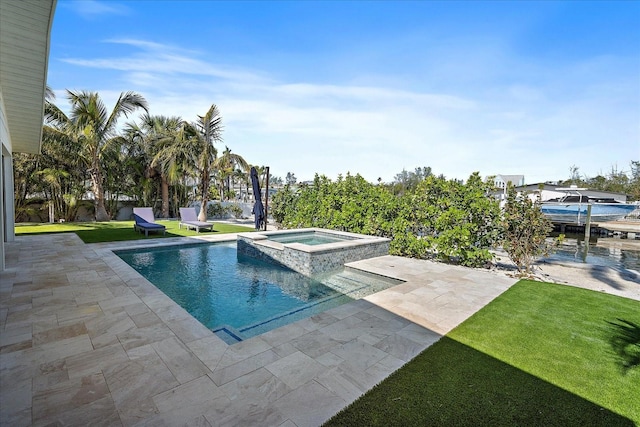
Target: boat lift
x=587 y=224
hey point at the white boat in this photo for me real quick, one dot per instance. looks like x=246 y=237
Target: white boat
x=573 y=208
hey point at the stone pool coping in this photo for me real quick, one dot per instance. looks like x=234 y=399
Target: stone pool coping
x=86 y=339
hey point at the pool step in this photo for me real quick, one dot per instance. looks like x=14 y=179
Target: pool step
x=358 y=284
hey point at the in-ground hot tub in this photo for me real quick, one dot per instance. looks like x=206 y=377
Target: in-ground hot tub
x=311 y=251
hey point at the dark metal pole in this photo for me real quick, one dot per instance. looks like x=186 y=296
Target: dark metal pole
x=266 y=200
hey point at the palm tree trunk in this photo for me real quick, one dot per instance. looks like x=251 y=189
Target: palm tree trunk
x=165 y=197
x=98 y=193
x=205 y=195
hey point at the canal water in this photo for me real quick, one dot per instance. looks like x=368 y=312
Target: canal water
x=611 y=252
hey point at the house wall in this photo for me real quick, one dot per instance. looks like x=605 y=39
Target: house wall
x=25 y=30
x=7 y=232
x=501 y=181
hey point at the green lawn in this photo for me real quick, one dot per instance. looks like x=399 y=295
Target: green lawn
x=540 y=354
x=112 y=231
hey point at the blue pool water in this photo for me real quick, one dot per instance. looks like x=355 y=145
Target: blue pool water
x=240 y=297
x=309 y=238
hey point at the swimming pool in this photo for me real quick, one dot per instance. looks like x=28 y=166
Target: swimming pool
x=238 y=296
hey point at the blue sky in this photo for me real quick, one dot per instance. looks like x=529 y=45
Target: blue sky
x=528 y=88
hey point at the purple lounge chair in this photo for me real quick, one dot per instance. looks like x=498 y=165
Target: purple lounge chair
x=145 y=221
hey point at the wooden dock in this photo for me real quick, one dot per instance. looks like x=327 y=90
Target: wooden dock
x=621 y=226
x=623 y=229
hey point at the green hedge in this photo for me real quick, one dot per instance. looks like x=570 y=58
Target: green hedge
x=441 y=219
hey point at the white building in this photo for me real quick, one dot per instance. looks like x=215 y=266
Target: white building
x=25 y=31
x=501 y=181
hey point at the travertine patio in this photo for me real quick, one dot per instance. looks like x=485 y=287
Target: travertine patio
x=86 y=340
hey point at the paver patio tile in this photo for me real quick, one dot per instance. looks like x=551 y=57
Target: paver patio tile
x=182 y=363
x=59 y=333
x=95 y=361
x=107 y=347
x=295 y=369
x=68 y=395
x=222 y=375
x=308 y=406
x=243 y=413
x=142 y=336
x=359 y=355
x=336 y=382
x=243 y=350
x=400 y=347
x=184 y=397
x=259 y=385
x=209 y=350
x=315 y=343
x=134 y=383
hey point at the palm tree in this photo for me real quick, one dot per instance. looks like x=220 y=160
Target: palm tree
x=157 y=132
x=90 y=124
x=210 y=128
x=227 y=164
x=193 y=150
x=240 y=176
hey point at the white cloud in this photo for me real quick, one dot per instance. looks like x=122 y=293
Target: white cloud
x=155 y=58
x=539 y=124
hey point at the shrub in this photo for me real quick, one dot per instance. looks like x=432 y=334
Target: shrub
x=525 y=230
x=283 y=204
x=457 y=222
x=441 y=219
x=235 y=210
x=215 y=210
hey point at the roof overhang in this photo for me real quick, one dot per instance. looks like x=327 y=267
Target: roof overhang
x=25 y=30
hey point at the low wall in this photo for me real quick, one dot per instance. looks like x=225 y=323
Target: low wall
x=312 y=259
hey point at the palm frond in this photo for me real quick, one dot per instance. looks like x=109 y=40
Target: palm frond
x=127 y=103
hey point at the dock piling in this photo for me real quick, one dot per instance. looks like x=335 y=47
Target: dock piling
x=587 y=225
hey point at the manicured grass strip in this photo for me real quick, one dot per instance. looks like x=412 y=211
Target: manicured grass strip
x=540 y=354
x=562 y=335
x=114 y=231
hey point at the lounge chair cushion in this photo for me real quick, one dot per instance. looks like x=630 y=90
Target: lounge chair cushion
x=189 y=219
x=145 y=221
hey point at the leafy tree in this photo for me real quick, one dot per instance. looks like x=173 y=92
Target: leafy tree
x=276 y=180
x=634 y=184
x=90 y=124
x=55 y=173
x=408 y=181
x=615 y=181
x=525 y=230
x=290 y=178
x=574 y=178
